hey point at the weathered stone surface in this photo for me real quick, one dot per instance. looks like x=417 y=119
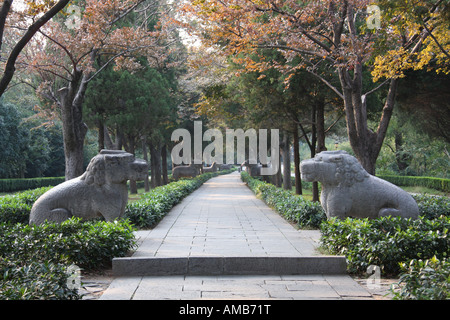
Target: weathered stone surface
x=189 y=171
x=225 y=167
x=213 y=168
x=100 y=192
x=253 y=169
x=349 y=191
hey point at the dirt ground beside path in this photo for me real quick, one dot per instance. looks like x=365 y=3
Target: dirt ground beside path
x=94 y=284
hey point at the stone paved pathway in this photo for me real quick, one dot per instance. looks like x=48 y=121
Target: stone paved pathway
x=221 y=242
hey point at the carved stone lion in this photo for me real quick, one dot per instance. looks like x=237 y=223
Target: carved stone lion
x=213 y=168
x=100 y=192
x=189 y=171
x=349 y=191
x=252 y=168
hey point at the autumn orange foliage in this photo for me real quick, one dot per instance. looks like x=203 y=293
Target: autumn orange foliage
x=318 y=35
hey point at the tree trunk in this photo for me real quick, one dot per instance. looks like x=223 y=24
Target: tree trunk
x=277 y=177
x=155 y=159
x=298 y=179
x=130 y=147
x=144 y=151
x=315 y=185
x=101 y=135
x=74 y=129
x=165 y=172
x=365 y=143
x=320 y=126
x=286 y=154
x=401 y=157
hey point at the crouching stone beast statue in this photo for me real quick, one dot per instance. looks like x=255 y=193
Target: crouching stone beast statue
x=100 y=192
x=349 y=191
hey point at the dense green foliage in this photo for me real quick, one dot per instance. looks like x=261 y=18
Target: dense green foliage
x=16 y=208
x=431 y=207
x=386 y=242
x=294 y=208
x=154 y=205
x=424 y=280
x=89 y=245
x=34 y=260
x=417 y=250
x=28 y=149
x=46 y=281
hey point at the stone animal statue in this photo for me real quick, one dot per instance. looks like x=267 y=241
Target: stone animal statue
x=254 y=170
x=225 y=167
x=189 y=171
x=349 y=191
x=213 y=168
x=100 y=192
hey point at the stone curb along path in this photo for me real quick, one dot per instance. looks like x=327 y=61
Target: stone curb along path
x=221 y=242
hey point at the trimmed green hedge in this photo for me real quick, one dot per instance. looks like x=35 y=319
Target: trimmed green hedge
x=36 y=281
x=35 y=260
x=90 y=245
x=428 y=182
x=386 y=242
x=294 y=208
x=16 y=208
x=12 y=185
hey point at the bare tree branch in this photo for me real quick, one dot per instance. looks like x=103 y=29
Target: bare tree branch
x=10 y=68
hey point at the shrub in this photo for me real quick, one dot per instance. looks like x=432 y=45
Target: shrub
x=306 y=214
x=432 y=206
x=12 y=185
x=424 y=280
x=428 y=182
x=44 y=281
x=386 y=242
x=16 y=208
x=89 y=245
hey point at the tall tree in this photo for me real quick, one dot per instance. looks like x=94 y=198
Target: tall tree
x=329 y=34
x=65 y=64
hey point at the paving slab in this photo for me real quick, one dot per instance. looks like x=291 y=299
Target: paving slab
x=221 y=242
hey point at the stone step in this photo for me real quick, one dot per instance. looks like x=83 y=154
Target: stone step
x=211 y=266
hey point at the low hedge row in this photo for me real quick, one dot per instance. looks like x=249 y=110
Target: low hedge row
x=90 y=245
x=12 y=185
x=35 y=260
x=16 y=208
x=428 y=182
x=294 y=208
x=154 y=205
x=386 y=242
